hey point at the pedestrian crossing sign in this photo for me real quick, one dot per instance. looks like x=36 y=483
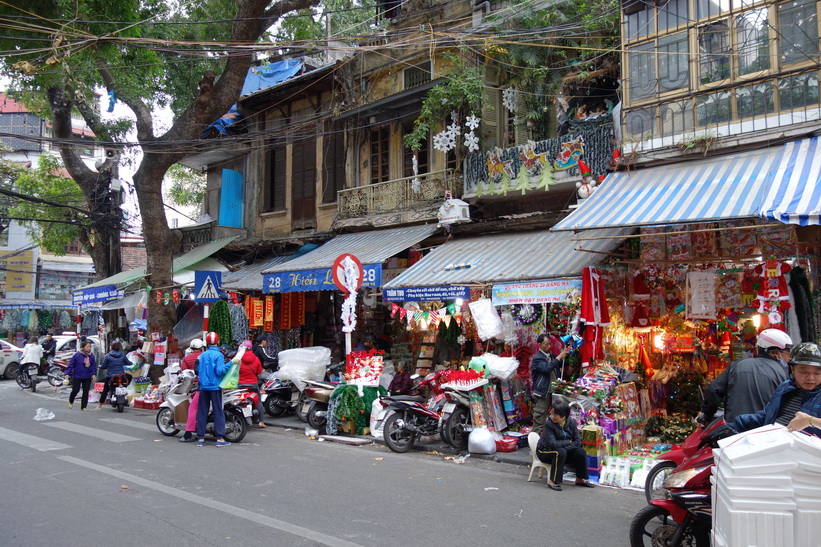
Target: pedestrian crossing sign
x=207 y=286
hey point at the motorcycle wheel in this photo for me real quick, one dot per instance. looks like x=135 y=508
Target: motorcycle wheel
x=23 y=379
x=165 y=422
x=235 y=426
x=655 y=478
x=120 y=407
x=56 y=376
x=443 y=431
x=299 y=404
x=455 y=427
x=398 y=439
x=654 y=526
x=271 y=408
x=317 y=422
x=11 y=370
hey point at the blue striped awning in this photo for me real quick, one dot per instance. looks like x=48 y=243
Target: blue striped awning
x=516 y=256
x=718 y=188
x=794 y=197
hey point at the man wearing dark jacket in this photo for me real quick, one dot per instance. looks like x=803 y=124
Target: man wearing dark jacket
x=561 y=442
x=49 y=346
x=543 y=367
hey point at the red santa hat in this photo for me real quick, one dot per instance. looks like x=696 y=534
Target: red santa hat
x=585 y=170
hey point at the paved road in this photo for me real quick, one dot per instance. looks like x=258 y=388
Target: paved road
x=106 y=478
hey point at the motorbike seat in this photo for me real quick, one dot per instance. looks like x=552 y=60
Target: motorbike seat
x=409 y=398
x=327 y=385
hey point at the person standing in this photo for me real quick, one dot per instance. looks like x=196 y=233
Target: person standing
x=114 y=363
x=189 y=362
x=561 y=442
x=32 y=353
x=543 y=367
x=83 y=371
x=49 y=347
x=747 y=385
x=210 y=370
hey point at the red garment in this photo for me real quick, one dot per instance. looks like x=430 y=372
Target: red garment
x=249 y=369
x=594 y=303
x=189 y=360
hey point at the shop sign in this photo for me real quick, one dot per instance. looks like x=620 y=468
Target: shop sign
x=19 y=266
x=416 y=294
x=315 y=280
x=683 y=344
x=95 y=295
x=535 y=292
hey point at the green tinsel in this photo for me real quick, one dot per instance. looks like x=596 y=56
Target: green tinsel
x=351 y=407
x=220 y=321
x=46 y=319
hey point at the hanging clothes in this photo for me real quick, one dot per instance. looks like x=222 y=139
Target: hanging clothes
x=594 y=316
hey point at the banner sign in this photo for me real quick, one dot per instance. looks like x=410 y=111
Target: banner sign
x=535 y=292
x=426 y=294
x=316 y=280
x=96 y=295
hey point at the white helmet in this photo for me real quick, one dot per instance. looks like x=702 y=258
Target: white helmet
x=196 y=343
x=772 y=339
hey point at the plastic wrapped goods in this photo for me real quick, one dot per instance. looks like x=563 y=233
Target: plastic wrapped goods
x=502 y=368
x=302 y=364
x=487 y=320
x=481 y=441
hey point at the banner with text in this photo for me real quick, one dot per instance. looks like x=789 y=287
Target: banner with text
x=95 y=295
x=315 y=280
x=535 y=292
x=426 y=294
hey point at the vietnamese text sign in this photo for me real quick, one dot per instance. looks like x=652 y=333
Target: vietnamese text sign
x=425 y=294
x=95 y=295
x=535 y=292
x=19 y=267
x=315 y=280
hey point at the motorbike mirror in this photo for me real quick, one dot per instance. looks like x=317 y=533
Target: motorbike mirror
x=414 y=376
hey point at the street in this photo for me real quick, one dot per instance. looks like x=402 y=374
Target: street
x=100 y=477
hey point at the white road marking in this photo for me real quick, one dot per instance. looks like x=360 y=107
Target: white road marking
x=256 y=518
x=37 y=443
x=91 y=432
x=130 y=423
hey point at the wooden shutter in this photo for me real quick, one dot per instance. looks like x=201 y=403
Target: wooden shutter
x=304 y=184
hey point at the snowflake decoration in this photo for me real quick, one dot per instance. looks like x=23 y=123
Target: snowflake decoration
x=440 y=141
x=461 y=339
x=450 y=142
x=454 y=115
x=454 y=129
x=471 y=142
x=472 y=122
x=510 y=98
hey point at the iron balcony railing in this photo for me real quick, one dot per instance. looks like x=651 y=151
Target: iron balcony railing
x=398 y=194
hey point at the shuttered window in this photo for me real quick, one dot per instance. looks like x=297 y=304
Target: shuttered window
x=333 y=169
x=276 y=179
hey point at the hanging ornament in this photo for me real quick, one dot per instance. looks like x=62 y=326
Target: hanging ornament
x=158 y=296
x=510 y=99
x=175 y=296
x=166 y=296
x=472 y=122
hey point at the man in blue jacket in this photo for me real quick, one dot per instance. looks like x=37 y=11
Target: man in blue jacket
x=797 y=402
x=210 y=370
x=543 y=367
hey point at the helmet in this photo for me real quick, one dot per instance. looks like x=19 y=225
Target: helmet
x=196 y=343
x=247 y=344
x=369 y=338
x=806 y=354
x=769 y=339
x=212 y=339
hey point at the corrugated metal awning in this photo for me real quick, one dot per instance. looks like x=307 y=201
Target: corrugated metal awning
x=249 y=278
x=794 y=197
x=507 y=257
x=718 y=188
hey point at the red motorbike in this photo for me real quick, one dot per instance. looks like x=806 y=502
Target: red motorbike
x=684 y=517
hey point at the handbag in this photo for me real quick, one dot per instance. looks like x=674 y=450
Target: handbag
x=231 y=378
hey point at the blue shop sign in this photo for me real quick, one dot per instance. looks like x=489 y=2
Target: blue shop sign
x=425 y=293
x=315 y=280
x=95 y=295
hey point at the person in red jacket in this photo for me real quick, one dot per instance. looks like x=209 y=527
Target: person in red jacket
x=249 y=370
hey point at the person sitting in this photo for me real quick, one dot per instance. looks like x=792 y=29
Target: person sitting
x=368 y=343
x=401 y=383
x=561 y=442
x=114 y=364
x=249 y=370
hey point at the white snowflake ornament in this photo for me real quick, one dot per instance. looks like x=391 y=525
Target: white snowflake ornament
x=472 y=122
x=510 y=98
x=471 y=142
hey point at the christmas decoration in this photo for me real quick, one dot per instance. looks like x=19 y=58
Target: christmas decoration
x=219 y=321
x=527 y=314
x=510 y=99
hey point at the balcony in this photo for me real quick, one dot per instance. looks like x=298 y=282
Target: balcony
x=398 y=196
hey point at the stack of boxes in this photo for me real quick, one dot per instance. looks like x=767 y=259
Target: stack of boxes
x=593 y=444
x=765 y=489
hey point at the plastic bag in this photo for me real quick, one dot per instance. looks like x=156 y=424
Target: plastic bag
x=231 y=378
x=378 y=412
x=302 y=364
x=43 y=414
x=487 y=320
x=481 y=441
x=502 y=368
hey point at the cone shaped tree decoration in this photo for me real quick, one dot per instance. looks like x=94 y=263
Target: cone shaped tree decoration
x=547 y=179
x=523 y=180
x=504 y=185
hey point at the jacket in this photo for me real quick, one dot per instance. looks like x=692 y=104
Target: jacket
x=811 y=406
x=249 y=369
x=401 y=384
x=542 y=368
x=32 y=353
x=190 y=360
x=559 y=436
x=49 y=347
x=114 y=363
x=744 y=388
x=76 y=366
x=211 y=369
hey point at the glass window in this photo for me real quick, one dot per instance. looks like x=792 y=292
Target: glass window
x=640 y=24
x=672 y=14
x=380 y=155
x=676 y=117
x=752 y=41
x=714 y=108
x=798 y=27
x=710 y=8
x=755 y=100
x=642 y=71
x=798 y=91
x=639 y=123
x=714 y=52
x=673 y=62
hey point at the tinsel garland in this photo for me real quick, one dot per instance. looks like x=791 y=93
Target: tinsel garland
x=239 y=323
x=219 y=321
x=46 y=319
x=351 y=407
x=804 y=306
x=65 y=320
x=676 y=428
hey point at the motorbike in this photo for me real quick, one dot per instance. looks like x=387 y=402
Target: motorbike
x=317 y=397
x=668 y=461
x=30 y=374
x=239 y=406
x=456 y=421
x=280 y=396
x=408 y=417
x=684 y=518
x=118 y=391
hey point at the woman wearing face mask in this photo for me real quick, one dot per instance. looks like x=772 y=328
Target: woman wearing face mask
x=82 y=370
x=747 y=385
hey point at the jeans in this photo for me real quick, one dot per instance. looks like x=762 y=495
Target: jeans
x=207 y=400
x=76 y=384
x=576 y=457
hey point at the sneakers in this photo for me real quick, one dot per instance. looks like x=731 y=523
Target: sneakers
x=223 y=443
x=85 y=410
x=70 y=406
x=188 y=439
x=201 y=442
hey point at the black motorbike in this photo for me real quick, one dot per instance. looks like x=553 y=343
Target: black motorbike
x=31 y=374
x=118 y=391
x=408 y=418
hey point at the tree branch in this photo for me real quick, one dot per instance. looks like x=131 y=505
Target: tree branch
x=145 y=123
